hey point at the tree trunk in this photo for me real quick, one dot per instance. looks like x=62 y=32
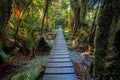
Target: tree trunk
x=77 y=19
x=83 y=10
x=5 y=13
x=16 y=32
x=101 y=41
x=93 y=28
x=114 y=69
x=45 y=11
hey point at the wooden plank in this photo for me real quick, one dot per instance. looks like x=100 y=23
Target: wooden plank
x=60 y=53
x=62 y=40
x=59 y=66
x=60 y=77
x=60 y=50
x=62 y=46
x=56 y=45
x=66 y=64
x=59 y=56
x=66 y=70
x=59 y=60
x=60 y=43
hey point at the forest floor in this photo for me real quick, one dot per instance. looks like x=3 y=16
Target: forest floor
x=22 y=66
x=23 y=63
x=82 y=63
x=13 y=66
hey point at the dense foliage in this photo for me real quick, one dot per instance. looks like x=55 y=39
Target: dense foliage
x=26 y=24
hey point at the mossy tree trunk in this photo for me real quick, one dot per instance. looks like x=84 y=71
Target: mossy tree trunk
x=77 y=19
x=101 y=41
x=113 y=70
x=93 y=28
x=79 y=8
x=47 y=2
x=5 y=12
x=83 y=10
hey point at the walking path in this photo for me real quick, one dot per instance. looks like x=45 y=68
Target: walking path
x=60 y=66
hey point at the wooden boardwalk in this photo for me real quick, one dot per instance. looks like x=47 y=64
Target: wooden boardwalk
x=59 y=66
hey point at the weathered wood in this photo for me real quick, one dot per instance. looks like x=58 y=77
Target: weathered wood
x=59 y=66
x=59 y=56
x=66 y=64
x=60 y=49
x=59 y=45
x=60 y=60
x=60 y=77
x=69 y=70
x=62 y=53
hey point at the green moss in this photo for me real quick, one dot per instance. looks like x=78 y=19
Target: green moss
x=34 y=71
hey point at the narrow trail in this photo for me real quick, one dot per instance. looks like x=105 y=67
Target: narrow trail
x=59 y=65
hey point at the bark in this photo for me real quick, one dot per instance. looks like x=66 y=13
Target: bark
x=114 y=69
x=16 y=32
x=101 y=41
x=45 y=12
x=93 y=29
x=83 y=10
x=47 y=22
x=5 y=12
x=1 y=60
x=80 y=14
x=77 y=19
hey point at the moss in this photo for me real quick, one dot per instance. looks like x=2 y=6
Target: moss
x=101 y=40
x=34 y=72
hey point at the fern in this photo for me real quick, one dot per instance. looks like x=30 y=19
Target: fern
x=15 y=50
x=30 y=45
x=4 y=55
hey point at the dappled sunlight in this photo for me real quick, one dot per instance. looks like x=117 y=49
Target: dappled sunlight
x=88 y=50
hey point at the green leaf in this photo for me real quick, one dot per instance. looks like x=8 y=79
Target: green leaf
x=109 y=63
x=15 y=50
x=3 y=54
x=31 y=44
x=20 y=44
